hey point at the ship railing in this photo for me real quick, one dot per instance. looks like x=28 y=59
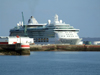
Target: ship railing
x=64 y=28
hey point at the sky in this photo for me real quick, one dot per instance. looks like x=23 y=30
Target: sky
x=81 y=14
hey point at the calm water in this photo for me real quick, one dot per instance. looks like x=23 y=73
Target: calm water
x=51 y=63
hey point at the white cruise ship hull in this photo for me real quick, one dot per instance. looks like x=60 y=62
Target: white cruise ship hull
x=68 y=41
x=60 y=41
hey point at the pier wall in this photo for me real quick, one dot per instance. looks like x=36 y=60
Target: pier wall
x=65 y=48
x=13 y=49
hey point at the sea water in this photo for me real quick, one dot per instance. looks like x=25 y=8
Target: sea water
x=51 y=63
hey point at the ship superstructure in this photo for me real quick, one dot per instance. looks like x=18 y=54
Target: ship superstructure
x=48 y=33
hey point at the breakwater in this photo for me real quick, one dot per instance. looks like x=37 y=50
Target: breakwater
x=13 y=49
x=65 y=47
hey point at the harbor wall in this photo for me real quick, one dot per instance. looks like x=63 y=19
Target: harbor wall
x=65 y=48
x=13 y=49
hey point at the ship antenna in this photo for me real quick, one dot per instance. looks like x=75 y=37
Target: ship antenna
x=25 y=29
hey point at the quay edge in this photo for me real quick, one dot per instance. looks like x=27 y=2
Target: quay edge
x=65 y=47
x=13 y=49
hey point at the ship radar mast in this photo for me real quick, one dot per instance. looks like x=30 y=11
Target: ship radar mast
x=56 y=19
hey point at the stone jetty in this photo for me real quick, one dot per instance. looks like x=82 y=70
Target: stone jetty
x=15 y=49
x=65 y=47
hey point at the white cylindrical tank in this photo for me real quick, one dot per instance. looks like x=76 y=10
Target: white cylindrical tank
x=96 y=42
x=80 y=43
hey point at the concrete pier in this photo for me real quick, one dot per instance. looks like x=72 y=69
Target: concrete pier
x=65 y=47
x=13 y=49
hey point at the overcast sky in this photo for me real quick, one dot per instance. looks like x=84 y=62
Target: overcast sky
x=82 y=14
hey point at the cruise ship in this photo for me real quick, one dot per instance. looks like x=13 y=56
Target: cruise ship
x=57 y=32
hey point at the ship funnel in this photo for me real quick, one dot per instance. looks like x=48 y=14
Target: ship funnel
x=31 y=16
x=32 y=20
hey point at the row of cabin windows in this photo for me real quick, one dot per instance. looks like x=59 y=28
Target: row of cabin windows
x=69 y=36
x=41 y=39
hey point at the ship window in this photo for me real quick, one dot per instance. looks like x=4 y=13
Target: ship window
x=47 y=39
x=35 y=39
x=41 y=39
x=44 y=39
